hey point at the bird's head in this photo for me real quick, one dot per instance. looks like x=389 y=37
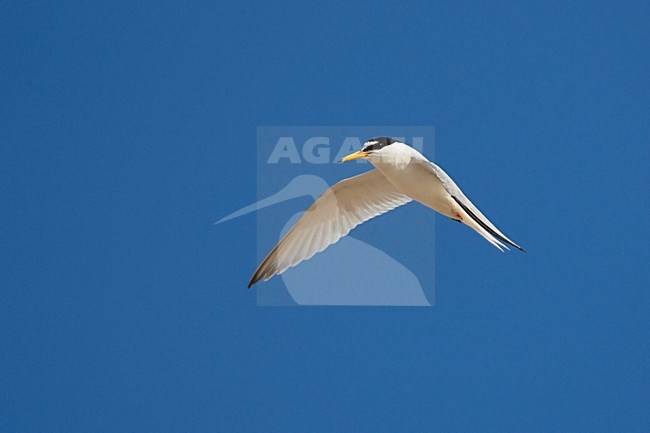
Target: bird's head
x=372 y=148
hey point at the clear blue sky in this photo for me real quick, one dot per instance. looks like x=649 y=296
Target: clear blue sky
x=128 y=129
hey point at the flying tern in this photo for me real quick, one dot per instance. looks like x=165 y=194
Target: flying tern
x=401 y=175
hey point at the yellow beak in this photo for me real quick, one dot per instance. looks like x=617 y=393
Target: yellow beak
x=355 y=155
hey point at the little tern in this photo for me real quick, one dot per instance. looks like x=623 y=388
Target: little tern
x=401 y=175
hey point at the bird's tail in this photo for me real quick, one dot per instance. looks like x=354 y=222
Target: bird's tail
x=487 y=235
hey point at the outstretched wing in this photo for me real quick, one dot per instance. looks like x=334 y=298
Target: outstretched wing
x=338 y=210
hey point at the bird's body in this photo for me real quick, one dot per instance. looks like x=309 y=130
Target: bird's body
x=401 y=174
x=408 y=170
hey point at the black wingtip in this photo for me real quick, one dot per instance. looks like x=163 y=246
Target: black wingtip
x=256 y=278
x=486 y=227
x=516 y=247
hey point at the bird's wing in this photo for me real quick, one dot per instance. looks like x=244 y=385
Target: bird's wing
x=338 y=210
x=482 y=224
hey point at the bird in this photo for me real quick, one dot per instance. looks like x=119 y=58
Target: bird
x=400 y=175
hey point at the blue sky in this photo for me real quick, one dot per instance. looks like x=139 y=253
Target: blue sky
x=128 y=129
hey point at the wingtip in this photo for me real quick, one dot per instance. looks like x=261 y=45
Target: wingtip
x=257 y=276
x=517 y=247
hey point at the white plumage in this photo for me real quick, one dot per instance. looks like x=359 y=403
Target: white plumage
x=401 y=174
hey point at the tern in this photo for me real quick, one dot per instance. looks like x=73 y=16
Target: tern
x=401 y=175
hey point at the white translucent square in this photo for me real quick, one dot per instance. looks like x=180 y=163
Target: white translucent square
x=386 y=261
